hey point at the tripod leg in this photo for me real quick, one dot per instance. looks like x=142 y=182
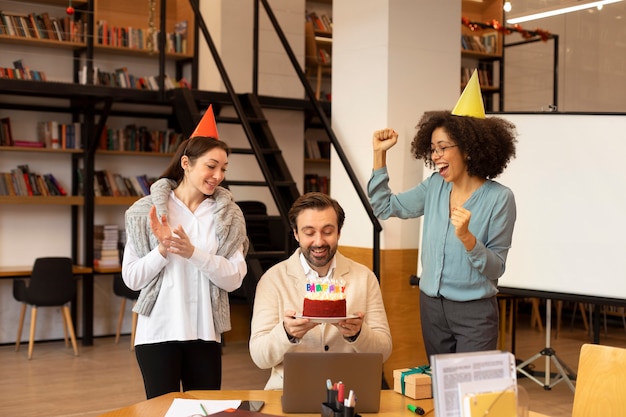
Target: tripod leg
x=521 y=366
x=564 y=375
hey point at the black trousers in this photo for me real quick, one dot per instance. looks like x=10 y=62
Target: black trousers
x=197 y=365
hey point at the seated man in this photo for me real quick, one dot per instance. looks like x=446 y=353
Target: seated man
x=316 y=221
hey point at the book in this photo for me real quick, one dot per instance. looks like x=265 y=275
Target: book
x=6 y=136
x=57 y=185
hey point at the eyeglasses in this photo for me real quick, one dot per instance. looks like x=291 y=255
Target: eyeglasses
x=442 y=150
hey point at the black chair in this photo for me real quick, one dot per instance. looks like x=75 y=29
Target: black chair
x=52 y=284
x=121 y=290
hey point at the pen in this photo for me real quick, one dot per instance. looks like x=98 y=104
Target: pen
x=204 y=410
x=416 y=409
x=329 y=384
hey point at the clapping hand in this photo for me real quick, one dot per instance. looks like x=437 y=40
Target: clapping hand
x=161 y=230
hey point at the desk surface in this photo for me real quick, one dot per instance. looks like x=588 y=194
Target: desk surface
x=25 y=271
x=391 y=404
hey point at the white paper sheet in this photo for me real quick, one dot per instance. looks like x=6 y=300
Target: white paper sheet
x=183 y=407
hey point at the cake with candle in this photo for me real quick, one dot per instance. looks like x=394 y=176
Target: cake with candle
x=325 y=298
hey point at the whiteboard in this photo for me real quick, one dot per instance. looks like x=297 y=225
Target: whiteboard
x=569 y=182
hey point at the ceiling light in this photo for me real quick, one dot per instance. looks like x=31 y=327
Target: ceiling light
x=559 y=11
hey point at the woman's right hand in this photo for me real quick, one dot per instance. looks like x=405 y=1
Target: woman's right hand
x=161 y=230
x=384 y=139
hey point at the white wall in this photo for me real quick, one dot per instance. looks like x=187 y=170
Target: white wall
x=391 y=62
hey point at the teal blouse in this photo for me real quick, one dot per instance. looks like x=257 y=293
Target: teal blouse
x=448 y=270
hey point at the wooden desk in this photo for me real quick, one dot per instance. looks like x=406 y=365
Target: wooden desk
x=26 y=271
x=391 y=404
x=9 y=272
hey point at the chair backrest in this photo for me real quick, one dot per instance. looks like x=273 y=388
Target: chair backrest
x=52 y=282
x=600 y=382
x=121 y=290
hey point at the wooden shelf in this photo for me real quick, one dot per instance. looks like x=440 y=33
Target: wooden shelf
x=115 y=201
x=134 y=153
x=47 y=43
x=141 y=52
x=38 y=150
x=43 y=200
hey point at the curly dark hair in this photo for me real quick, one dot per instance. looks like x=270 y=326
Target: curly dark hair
x=488 y=144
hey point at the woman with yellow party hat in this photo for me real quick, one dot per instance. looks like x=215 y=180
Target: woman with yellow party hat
x=468 y=219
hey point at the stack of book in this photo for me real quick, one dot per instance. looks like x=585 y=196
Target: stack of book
x=105 y=246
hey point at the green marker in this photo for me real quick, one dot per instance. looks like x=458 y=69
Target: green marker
x=416 y=409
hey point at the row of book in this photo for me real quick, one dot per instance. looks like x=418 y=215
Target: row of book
x=106 y=243
x=321 y=23
x=122 y=78
x=111 y=184
x=21 y=72
x=314 y=182
x=22 y=182
x=42 y=26
x=140 y=139
x=485 y=75
x=142 y=38
x=56 y=135
x=487 y=43
x=317 y=149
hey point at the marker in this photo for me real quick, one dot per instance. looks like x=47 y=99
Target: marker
x=340 y=392
x=351 y=399
x=329 y=384
x=416 y=409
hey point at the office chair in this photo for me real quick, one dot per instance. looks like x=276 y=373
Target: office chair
x=51 y=284
x=600 y=382
x=121 y=290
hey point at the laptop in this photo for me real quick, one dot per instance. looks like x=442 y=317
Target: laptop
x=306 y=373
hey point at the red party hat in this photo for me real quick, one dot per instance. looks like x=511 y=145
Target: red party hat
x=207 y=126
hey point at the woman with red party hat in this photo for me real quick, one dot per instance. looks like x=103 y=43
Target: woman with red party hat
x=186 y=247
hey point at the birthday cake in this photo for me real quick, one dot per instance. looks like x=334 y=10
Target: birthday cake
x=325 y=298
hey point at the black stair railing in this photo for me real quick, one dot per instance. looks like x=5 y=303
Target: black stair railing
x=237 y=105
x=319 y=111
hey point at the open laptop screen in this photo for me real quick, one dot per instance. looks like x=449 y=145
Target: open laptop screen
x=306 y=373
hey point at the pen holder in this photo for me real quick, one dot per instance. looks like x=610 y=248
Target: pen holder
x=331 y=410
x=349 y=412
x=337 y=410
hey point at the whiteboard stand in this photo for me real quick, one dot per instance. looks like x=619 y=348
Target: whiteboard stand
x=565 y=373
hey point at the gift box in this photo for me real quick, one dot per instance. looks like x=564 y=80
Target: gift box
x=415 y=383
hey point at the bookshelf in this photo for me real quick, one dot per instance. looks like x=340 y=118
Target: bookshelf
x=318 y=53
x=69 y=97
x=482 y=50
x=318 y=48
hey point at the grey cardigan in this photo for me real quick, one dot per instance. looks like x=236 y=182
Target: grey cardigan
x=230 y=231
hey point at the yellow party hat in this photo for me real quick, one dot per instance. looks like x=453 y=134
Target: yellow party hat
x=471 y=101
x=207 y=126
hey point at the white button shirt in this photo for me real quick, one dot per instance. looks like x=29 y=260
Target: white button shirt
x=183 y=308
